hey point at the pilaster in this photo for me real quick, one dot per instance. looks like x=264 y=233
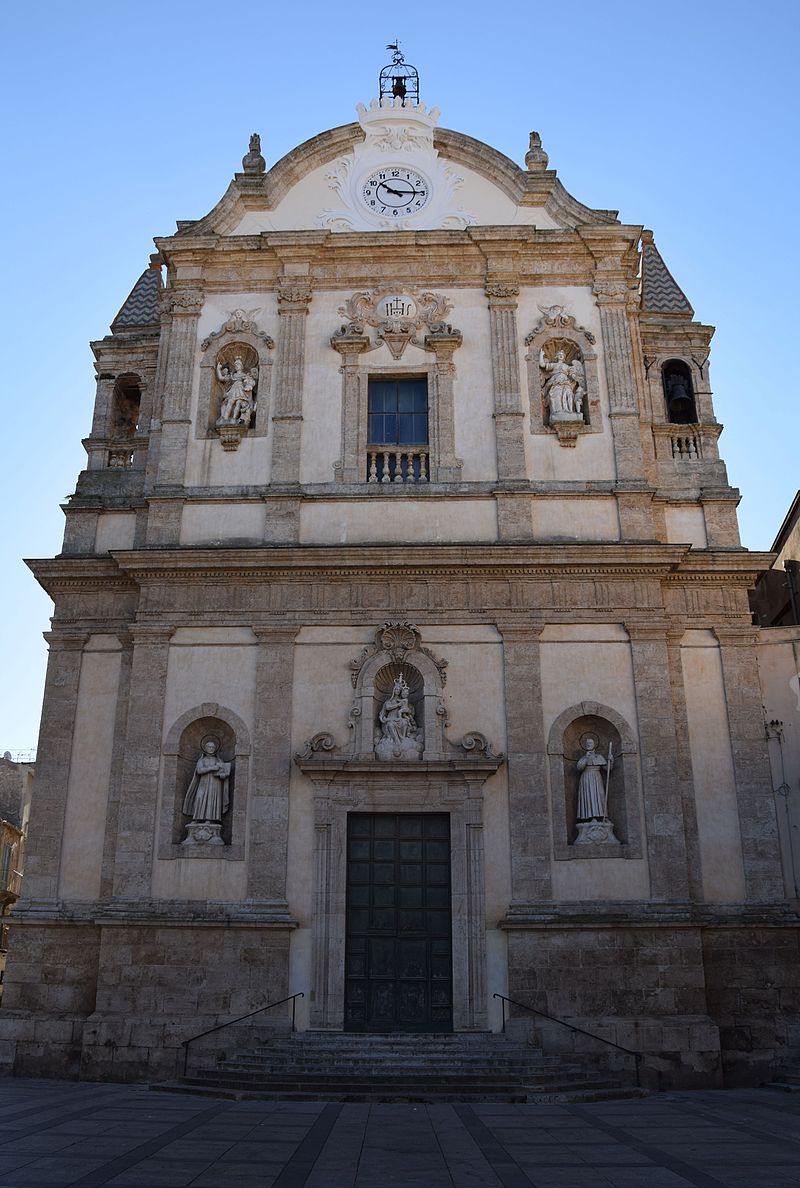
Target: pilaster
x=684 y=767
x=184 y=306
x=117 y=766
x=613 y=296
x=757 y=821
x=508 y=415
x=294 y=297
x=445 y=467
x=354 y=443
x=43 y=850
x=268 y=811
x=658 y=748
x=529 y=814
x=136 y=819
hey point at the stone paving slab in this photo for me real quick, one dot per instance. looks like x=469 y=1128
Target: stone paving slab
x=62 y=1134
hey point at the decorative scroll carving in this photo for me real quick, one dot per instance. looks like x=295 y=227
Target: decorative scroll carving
x=322 y=741
x=397 y=314
x=239 y=321
x=397 y=638
x=475 y=741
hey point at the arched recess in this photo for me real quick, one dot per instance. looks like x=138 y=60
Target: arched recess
x=425 y=681
x=580 y=342
x=257 y=348
x=625 y=786
x=180 y=752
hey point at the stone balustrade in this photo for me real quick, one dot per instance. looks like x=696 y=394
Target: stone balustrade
x=686 y=447
x=397 y=464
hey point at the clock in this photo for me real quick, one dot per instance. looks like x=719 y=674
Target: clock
x=395 y=192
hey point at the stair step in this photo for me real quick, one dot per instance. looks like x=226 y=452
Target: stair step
x=391 y=1067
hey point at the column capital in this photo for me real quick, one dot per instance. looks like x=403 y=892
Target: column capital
x=150 y=634
x=502 y=292
x=744 y=636
x=182 y=302
x=350 y=342
x=294 y=294
x=65 y=639
x=512 y=631
x=275 y=635
x=656 y=629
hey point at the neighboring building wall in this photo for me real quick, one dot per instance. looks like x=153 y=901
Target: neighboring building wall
x=16 y=786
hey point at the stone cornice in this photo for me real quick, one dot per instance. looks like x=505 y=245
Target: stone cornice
x=644 y=914
x=129 y=570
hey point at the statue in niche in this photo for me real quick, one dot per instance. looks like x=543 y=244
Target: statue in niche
x=591 y=819
x=207 y=797
x=398 y=736
x=238 y=404
x=565 y=389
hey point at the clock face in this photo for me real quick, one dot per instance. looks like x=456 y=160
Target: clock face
x=395 y=192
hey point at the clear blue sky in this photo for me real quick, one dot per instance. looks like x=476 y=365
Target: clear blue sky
x=122 y=117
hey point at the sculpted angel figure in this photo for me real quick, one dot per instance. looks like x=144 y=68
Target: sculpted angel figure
x=566 y=387
x=207 y=797
x=238 y=405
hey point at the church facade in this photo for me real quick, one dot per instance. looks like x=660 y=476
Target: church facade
x=401 y=651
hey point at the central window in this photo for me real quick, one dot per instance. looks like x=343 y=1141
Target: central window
x=397 y=431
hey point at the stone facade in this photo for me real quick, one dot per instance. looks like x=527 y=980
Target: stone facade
x=266 y=593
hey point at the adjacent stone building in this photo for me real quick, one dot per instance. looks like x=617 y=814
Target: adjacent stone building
x=401 y=651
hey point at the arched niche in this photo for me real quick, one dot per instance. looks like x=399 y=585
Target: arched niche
x=576 y=344
x=680 y=404
x=373 y=685
x=255 y=349
x=624 y=798
x=180 y=752
x=125 y=407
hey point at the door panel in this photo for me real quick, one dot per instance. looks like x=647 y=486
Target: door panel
x=398 y=955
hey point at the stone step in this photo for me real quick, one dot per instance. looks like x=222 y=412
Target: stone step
x=438 y=1067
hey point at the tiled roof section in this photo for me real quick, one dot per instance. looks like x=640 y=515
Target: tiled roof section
x=140 y=308
x=661 y=293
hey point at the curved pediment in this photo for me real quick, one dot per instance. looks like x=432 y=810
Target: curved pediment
x=395 y=170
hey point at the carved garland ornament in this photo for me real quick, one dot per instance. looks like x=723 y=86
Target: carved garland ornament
x=397 y=315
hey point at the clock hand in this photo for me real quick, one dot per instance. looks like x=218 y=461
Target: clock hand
x=397 y=193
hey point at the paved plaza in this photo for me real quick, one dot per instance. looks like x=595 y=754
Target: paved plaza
x=60 y=1133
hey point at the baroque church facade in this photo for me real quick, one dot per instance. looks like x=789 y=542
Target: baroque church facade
x=401 y=651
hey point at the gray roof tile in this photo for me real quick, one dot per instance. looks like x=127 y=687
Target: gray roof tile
x=140 y=307
x=661 y=293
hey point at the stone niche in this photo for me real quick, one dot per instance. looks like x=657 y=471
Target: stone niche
x=623 y=807
x=182 y=749
x=443 y=777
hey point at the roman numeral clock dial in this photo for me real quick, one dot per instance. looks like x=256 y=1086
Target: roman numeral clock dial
x=395 y=192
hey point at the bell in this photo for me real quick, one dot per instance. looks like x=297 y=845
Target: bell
x=399 y=87
x=680 y=403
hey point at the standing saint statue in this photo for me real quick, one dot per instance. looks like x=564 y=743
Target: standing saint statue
x=591 y=818
x=207 y=797
x=238 y=404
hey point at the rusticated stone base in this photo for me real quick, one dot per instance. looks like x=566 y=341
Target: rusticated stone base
x=753 y=991
x=115 y=1002
x=706 y=1004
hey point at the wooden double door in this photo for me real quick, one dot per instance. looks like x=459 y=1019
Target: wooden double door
x=398 y=950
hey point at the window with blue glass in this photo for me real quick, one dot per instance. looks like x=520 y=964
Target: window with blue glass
x=398 y=430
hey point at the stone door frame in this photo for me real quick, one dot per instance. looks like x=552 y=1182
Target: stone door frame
x=369 y=786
